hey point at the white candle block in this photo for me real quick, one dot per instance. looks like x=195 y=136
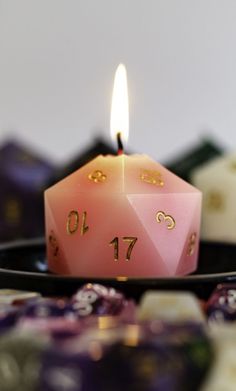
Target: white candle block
x=170 y=306
x=217 y=181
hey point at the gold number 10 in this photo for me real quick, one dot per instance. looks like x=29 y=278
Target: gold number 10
x=72 y=223
x=115 y=242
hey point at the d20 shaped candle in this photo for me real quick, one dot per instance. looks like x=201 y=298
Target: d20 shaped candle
x=122 y=216
x=217 y=181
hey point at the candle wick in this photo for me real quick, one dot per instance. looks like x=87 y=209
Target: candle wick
x=120 y=150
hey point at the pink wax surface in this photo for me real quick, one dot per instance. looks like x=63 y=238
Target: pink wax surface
x=122 y=216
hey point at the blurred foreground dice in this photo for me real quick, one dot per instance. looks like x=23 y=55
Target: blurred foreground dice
x=20 y=361
x=170 y=306
x=134 y=361
x=221 y=306
x=222 y=375
x=166 y=345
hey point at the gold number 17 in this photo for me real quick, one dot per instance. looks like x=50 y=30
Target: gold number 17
x=128 y=239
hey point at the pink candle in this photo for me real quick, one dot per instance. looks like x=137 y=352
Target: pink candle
x=122 y=216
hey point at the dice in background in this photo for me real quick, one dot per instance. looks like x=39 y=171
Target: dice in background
x=197 y=155
x=23 y=177
x=217 y=181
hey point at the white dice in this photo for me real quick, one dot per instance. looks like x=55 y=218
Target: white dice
x=217 y=181
x=170 y=307
x=222 y=376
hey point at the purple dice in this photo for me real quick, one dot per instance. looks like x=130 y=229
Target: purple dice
x=175 y=358
x=23 y=177
x=8 y=317
x=66 y=371
x=96 y=299
x=48 y=308
x=221 y=305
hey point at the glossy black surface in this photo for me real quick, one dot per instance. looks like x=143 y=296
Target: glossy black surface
x=23 y=266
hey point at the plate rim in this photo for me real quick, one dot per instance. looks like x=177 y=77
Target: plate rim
x=21 y=243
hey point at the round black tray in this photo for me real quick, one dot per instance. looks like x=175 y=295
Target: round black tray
x=23 y=266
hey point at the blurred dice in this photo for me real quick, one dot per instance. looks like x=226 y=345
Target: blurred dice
x=52 y=317
x=97 y=147
x=8 y=317
x=222 y=375
x=96 y=299
x=66 y=371
x=206 y=150
x=217 y=181
x=175 y=363
x=20 y=361
x=17 y=297
x=221 y=305
x=48 y=308
x=170 y=307
x=23 y=177
x=137 y=361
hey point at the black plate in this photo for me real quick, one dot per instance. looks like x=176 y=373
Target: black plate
x=23 y=266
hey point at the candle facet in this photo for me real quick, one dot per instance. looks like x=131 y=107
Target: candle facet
x=124 y=216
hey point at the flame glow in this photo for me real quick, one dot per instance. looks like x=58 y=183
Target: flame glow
x=120 y=105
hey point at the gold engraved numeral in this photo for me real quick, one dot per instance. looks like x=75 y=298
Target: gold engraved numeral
x=128 y=239
x=72 y=223
x=233 y=165
x=84 y=227
x=115 y=243
x=12 y=211
x=192 y=244
x=131 y=241
x=153 y=177
x=53 y=243
x=169 y=220
x=215 y=201
x=97 y=176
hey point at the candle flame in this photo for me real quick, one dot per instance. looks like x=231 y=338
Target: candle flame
x=120 y=105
